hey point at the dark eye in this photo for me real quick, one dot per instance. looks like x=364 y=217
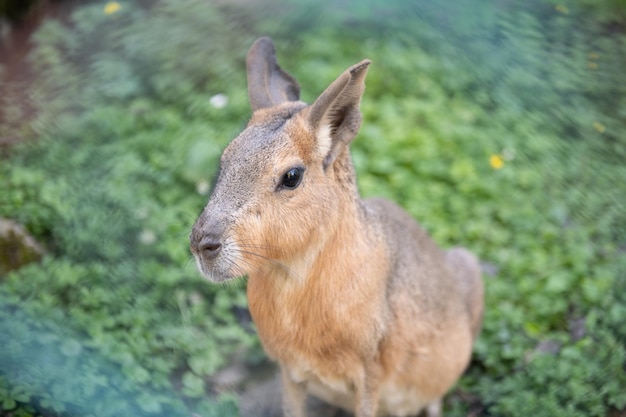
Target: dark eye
x=292 y=178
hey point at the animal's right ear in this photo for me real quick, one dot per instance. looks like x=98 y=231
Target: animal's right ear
x=268 y=84
x=335 y=117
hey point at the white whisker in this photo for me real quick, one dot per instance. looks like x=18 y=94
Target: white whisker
x=272 y=261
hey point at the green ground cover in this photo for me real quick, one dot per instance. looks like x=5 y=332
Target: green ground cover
x=500 y=126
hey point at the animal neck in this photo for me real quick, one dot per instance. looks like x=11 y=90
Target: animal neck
x=327 y=249
x=294 y=305
x=328 y=259
x=345 y=175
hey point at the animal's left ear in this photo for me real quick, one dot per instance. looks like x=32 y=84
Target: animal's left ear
x=268 y=84
x=335 y=117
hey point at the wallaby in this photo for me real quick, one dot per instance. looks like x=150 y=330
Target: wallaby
x=350 y=296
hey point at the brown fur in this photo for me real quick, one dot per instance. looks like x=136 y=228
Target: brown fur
x=351 y=297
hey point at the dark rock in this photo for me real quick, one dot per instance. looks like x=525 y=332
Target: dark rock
x=262 y=397
x=489 y=269
x=551 y=347
x=577 y=328
x=17 y=247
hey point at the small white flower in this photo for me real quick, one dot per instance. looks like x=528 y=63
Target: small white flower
x=142 y=213
x=203 y=187
x=508 y=154
x=219 y=101
x=195 y=298
x=147 y=237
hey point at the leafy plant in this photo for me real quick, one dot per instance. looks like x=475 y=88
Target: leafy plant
x=499 y=126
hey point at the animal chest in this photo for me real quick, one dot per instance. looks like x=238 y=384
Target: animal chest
x=312 y=336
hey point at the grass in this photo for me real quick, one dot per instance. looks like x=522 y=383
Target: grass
x=498 y=126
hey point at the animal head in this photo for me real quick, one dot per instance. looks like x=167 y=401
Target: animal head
x=283 y=181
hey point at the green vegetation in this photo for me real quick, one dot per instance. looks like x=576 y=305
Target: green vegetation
x=500 y=126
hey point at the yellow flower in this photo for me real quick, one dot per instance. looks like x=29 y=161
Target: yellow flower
x=112 y=7
x=599 y=127
x=496 y=161
x=561 y=8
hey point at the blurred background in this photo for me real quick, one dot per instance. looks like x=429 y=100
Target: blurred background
x=499 y=124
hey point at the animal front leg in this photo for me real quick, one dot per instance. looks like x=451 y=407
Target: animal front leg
x=294 y=395
x=434 y=409
x=366 y=387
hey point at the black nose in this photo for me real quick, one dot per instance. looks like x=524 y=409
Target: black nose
x=210 y=246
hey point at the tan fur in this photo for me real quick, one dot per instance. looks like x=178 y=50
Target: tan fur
x=350 y=296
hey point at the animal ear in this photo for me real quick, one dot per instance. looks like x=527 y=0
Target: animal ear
x=335 y=117
x=268 y=84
